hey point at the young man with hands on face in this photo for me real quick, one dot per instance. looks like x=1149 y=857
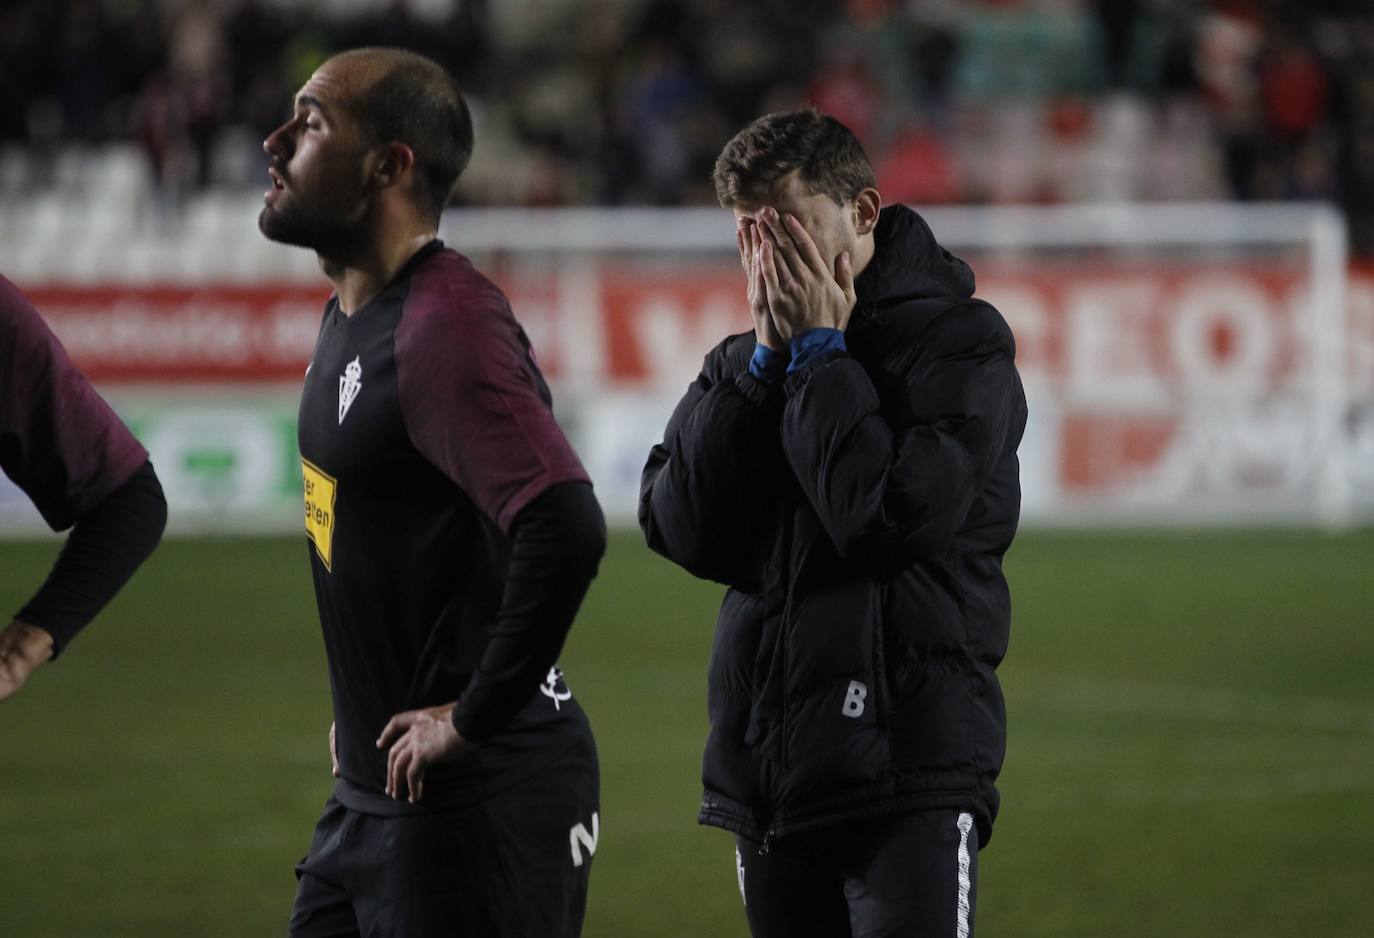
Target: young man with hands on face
x=848 y=469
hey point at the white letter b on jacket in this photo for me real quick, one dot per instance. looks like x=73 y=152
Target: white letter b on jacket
x=854 y=699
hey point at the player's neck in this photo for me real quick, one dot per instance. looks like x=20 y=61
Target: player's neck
x=362 y=275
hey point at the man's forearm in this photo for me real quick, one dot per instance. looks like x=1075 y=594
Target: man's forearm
x=557 y=543
x=102 y=552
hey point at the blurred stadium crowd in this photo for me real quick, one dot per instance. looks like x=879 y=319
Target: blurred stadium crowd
x=612 y=102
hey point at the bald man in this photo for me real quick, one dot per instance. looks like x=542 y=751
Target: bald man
x=452 y=534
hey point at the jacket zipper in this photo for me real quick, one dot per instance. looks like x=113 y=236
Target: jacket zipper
x=789 y=533
x=786 y=646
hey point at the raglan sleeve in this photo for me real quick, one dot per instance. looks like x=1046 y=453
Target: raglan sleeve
x=63 y=445
x=476 y=406
x=60 y=442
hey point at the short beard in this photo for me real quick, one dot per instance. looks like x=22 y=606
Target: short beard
x=324 y=236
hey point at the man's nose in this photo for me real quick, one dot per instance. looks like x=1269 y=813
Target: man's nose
x=274 y=145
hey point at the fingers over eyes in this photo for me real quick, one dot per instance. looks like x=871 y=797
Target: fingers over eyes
x=807 y=251
x=783 y=250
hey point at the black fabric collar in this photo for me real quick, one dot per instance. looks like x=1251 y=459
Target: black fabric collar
x=909 y=264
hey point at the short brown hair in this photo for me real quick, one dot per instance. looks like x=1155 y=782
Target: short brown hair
x=831 y=159
x=417 y=102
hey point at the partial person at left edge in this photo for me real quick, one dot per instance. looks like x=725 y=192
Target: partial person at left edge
x=82 y=468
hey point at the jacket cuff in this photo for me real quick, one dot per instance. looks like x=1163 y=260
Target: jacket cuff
x=759 y=393
x=768 y=365
x=814 y=343
x=798 y=379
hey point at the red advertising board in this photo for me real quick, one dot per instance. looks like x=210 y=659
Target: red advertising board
x=1124 y=357
x=1110 y=332
x=152 y=333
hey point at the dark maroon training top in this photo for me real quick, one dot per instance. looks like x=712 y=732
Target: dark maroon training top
x=425 y=430
x=59 y=441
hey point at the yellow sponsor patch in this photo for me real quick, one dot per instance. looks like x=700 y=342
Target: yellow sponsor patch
x=319 y=509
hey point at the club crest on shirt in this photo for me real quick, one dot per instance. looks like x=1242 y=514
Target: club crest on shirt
x=554 y=688
x=350 y=383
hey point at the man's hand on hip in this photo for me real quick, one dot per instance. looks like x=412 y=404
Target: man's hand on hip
x=418 y=739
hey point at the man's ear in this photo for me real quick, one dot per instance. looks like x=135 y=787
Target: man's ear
x=867 y=204
x=396 y=160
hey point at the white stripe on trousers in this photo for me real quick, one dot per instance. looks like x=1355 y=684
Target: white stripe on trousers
x=961 y=926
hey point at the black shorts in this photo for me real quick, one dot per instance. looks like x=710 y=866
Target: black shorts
x=512 y=866
x=911 y=876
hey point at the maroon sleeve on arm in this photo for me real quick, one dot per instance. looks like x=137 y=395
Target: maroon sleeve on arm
x=59 y=441
x=470 y=394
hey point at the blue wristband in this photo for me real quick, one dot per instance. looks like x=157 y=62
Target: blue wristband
x=768 y=365
x=814 y=343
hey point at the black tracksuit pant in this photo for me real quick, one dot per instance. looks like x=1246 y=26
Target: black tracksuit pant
x=513 y=866
x=912 y=876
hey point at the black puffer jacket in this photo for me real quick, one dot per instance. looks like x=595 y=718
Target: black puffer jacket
x=859 y=515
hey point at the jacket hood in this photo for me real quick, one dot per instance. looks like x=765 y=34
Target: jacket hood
x=909 y=264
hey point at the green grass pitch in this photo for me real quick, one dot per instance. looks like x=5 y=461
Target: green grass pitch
x=1191 y=749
